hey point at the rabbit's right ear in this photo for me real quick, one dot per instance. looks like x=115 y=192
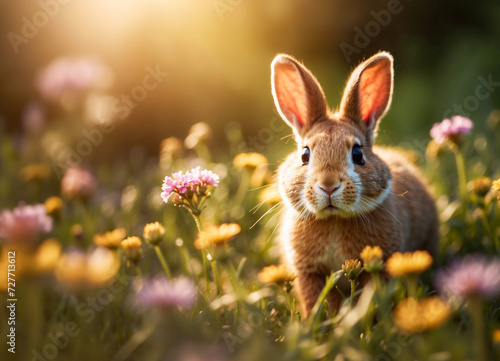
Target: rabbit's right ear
x=368 y=92
x=297 y=94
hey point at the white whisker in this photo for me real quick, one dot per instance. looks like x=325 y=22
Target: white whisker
x=268 y=211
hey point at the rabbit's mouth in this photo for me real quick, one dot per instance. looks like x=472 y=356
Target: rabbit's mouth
x=330 y=209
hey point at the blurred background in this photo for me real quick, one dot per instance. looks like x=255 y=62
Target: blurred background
x=150 y=69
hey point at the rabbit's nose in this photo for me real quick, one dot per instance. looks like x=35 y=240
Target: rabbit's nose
x=331 y=190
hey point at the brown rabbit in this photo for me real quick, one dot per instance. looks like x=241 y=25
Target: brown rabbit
x=340 y=191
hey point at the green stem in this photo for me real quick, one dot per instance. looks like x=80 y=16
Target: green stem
x=412 y=286
x=376 y=281
x=353 y=290
x=203 y=152
x=288 y=302
x=316 y=310
x=215 y=271
x=204 y=255
x=462 y=177
x=383 y=304
x=479 y=329
x=138 y=270
x=163 y=261
x=60 y=309
x=487 y=228
x=242 y=189
x=188 y=267
x=135 y=341
x=240 y=267
x=197 y=220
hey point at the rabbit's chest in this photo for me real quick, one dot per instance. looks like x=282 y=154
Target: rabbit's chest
x=330 y=257
x=315 y=248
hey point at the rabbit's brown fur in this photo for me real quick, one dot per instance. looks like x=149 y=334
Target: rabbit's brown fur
x=335 y=205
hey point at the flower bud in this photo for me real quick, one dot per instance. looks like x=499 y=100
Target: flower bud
x=372 y=258
x=153 y=233
x=352 y=268
x=132 y=248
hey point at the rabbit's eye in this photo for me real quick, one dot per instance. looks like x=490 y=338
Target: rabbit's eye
x=305 y=155
x=357 y=155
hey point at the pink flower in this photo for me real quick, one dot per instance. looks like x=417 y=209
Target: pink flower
x=473 y=275
x=67 y=75
x=24 y=223
x=453 y=128
x=206 y=176
x=164 y=293
x=33 y=117
x=169 y=186
x=78 y=183
x=194 y=182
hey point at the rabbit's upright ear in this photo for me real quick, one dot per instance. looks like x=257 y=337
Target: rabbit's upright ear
x=297 y=94
x=368 y=93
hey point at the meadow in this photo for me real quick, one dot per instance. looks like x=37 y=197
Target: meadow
x=132 y=260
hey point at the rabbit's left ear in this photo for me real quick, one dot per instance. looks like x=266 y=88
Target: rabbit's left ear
x=368 y=93
x=297 y=94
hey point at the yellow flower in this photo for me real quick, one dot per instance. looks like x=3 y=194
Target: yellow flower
x=110 y=239
x=249 y=161
x=370 y=253
x=261 y=176
x=53 y=205
x=77 y=231
x=170 y=146
x=496 y=185
x=131 y=243
x=496 y=335
x=372 y=258
x=276 y=274
x=217 y=235
x=270 y=195
x=199 y=132
x=493 y=120
x=352 y=268
x=153 y=233
x=407 y=263
x=77 y=269
x=47 y=255
x=480 y=186
x=38 y=172
x=102 y=265
x=433 y=150
x=419 y=315
x=132 y=248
